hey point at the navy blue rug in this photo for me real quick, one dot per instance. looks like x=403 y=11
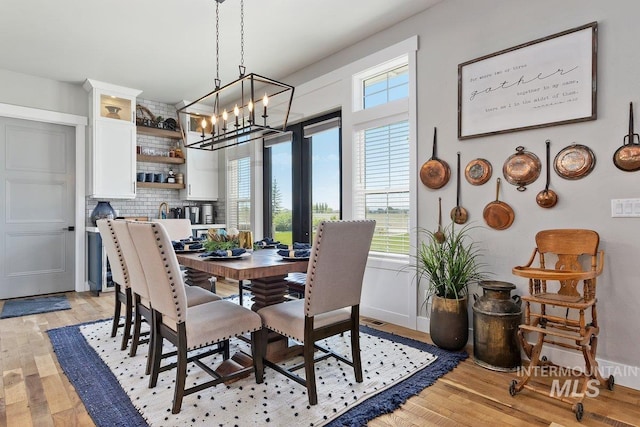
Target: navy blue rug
x=27 y=306
x=109 y=405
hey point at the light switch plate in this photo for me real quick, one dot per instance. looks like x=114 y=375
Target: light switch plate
x=625 y=208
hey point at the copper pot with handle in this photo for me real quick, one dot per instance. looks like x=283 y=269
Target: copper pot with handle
x=498 y=215
x=521 y=168
x=435 y=173
x=627 y=157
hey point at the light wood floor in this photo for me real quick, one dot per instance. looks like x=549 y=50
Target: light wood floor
x=34 y=392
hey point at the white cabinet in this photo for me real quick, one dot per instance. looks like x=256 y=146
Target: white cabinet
x=201 y=166
x=200 y=173
x=111 y=153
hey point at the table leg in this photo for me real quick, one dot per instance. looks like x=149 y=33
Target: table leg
x=268 y=291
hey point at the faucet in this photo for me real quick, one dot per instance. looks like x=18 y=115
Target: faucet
x=162 y=214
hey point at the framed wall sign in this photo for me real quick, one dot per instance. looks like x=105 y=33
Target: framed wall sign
x=545 y=82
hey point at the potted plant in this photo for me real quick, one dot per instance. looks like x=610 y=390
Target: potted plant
x=448 y=261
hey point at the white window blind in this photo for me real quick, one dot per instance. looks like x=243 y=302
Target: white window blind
x=239 y=193
x=382 y=184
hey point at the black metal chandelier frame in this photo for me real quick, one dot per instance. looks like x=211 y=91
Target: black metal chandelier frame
x=248 y=119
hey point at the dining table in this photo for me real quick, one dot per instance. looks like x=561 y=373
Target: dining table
x=267 y=272
x=263 y=267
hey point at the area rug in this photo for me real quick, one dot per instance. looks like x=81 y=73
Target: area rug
x=114 y=389
x=27 y=306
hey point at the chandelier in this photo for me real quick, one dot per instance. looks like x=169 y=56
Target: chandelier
x=249 y=108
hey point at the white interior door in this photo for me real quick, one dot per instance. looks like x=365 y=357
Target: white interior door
x=37 y=172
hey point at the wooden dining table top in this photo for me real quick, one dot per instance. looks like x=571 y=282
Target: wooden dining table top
x=259 y=264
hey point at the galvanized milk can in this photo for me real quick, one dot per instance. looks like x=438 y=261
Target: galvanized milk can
x=496 y=316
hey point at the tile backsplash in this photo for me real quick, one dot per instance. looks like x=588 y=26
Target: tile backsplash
x=148 y=200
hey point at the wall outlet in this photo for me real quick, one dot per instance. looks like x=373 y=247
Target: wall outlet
x=625 y=208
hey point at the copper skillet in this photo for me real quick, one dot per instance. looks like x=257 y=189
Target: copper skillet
x=498 y=215
x=435 y=172
x=627 y=157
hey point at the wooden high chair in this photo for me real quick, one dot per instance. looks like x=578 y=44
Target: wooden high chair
x=571 y=331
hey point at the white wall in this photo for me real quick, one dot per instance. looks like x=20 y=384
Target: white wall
x=45 y=94
x=459 y=30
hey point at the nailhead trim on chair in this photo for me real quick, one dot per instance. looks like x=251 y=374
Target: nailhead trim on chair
x=172 y=284
x=210 y=343
x=125 y=272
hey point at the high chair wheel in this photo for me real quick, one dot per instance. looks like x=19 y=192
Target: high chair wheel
x=544 y=358
x=611 y=382
x=579 y=411
x=512 y=387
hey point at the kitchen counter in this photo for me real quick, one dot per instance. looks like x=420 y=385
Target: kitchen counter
x=194 y=227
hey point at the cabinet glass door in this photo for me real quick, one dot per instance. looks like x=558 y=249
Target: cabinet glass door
x=113 y=107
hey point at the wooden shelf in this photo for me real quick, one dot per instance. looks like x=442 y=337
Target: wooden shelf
x=163 y=133
x=160 y=159
x=160 y=185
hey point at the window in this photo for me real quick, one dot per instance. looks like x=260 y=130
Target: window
x=383 y=149
x=383 y=185
x=386 y=87
x=239 y=193
x=303 y=178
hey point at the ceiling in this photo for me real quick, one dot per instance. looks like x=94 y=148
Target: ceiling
x=166 y=48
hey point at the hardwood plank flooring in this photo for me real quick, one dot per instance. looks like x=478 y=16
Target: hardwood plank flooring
x=35 y=392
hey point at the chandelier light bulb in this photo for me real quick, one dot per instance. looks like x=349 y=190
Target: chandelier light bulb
x=250 y=106
x=265 y=100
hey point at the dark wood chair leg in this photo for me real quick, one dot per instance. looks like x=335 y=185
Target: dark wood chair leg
x=116 y=311
x=128 y=304
x=155 y=349
x=240 y=289
x=309 y=370
x=257 y=351
x=181 y=369
x=355 y=353
x=137 y=323
x=355 y=343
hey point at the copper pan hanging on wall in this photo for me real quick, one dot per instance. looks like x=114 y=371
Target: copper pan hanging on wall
x=435 y=173
x=521 y=168
x=574 y=162
x=627 y=157
x=478 y=171
x=498 y=215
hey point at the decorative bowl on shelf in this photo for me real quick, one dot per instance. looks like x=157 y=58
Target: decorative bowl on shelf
x=113 y=111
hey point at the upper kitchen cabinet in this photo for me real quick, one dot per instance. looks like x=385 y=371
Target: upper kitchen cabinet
x=111 y=154
x=201 y=166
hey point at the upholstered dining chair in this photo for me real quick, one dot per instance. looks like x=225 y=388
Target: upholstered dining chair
x=331 y=303
x=178 y=229
x=139 y=288
x=206 y=326
x=120 y=277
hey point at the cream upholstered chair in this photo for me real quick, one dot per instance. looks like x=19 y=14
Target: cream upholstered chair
x=177 y=228
x=331 y=301
x=140 y=290
x=187 y=328
x=120 y=276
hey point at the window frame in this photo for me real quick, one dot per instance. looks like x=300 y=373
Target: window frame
x=380 y=115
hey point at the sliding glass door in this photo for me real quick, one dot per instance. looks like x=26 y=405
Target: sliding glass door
x=302 y=179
